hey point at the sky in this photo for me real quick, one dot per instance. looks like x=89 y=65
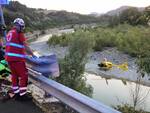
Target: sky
x=83 y=6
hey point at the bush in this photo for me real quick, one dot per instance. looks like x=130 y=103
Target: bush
x=62 y=40
x=72 y=66
x=104 y=38
x=128 y=109
x=134 y=41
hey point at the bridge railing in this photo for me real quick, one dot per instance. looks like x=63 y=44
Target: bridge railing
x=74 y=99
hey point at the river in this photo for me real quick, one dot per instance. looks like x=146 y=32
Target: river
x=110 y=92
x=114 y=92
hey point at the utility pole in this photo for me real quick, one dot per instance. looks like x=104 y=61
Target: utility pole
x=3 y=25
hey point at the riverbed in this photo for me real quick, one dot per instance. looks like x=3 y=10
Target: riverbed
x=112 y=91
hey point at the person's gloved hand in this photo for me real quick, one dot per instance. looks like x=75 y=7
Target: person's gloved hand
x=33 y=56
x=3 y=27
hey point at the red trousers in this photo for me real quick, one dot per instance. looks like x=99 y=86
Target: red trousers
x=19 y=76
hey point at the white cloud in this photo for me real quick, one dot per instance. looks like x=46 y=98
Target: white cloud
x=84 y=6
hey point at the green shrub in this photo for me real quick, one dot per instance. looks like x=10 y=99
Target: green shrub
x=134 y=41
x=128 y=109
x=62 y=40
x=104 y=38
x=72 y=66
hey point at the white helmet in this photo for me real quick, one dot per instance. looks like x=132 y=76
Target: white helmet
x=20 y=22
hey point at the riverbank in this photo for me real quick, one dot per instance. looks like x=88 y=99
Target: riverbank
x=94 y=58
x=113 y=92
x=45 y=101
x=116 y=57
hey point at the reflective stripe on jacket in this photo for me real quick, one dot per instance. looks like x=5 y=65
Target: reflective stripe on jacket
x=15 y=50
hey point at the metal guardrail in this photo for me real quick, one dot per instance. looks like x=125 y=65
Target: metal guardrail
x=76 y=100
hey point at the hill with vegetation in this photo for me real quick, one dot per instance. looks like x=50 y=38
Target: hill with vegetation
x=130 y=15
x=42 y=18
x=121 y=9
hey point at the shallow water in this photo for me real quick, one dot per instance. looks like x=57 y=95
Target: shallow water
x=114 y=92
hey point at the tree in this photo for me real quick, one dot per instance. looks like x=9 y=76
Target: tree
x=114 y=21
x=138 y=98
x=72 y=66
x=131 y=16
x=147 y=14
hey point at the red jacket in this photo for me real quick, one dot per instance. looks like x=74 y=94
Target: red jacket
x=15 y=50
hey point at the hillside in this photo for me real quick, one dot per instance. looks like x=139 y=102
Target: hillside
x=121 y=9
x=40 y=19
x=43 y=19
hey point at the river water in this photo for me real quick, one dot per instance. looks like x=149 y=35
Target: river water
x=111 y=91
x=114 y=92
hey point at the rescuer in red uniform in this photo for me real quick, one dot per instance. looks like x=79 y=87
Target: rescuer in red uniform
x=15 y=54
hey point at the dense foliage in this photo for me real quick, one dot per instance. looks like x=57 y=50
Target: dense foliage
x=42 y=18
x=72 y=66
x=132 y=16
x=134 y=41
x=128 y=109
